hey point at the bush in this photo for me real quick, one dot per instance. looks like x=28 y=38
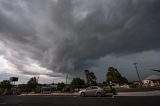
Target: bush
x=5 y=84
x=1 y=91
x=60 y=86
x=109 y=90
x=67 y=89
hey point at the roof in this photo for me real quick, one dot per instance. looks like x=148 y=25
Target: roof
x=153 y=77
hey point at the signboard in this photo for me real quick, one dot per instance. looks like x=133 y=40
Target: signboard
x=13 y=79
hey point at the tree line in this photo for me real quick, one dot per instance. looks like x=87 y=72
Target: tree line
x=113 y=76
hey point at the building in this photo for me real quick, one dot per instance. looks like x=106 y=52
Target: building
x=152 y=80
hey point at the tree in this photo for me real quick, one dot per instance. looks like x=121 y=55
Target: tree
x=77 y=83
x=60 y=86
x=23 y=87
x=114 y=76
x=32 y=83
x=87 y=77
x=5 y=85
x=93 y=79
x=90 y=78
x=123 y=81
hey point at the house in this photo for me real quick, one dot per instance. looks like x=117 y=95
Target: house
x=152 y=80
x=134 y=84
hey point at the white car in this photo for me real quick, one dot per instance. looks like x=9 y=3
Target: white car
x=92 y=91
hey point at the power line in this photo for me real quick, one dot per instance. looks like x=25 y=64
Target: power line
x=150 y=69
x=148 y=66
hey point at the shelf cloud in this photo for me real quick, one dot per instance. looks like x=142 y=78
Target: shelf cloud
x=73 y=35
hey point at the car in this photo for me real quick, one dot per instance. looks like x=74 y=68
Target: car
x=92 y=91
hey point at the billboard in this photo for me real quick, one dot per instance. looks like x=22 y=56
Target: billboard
x=13 y=78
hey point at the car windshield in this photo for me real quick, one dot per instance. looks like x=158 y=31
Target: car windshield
x=88 y=88
x=94 y=87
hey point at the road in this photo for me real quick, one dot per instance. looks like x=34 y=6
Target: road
x=79 y=101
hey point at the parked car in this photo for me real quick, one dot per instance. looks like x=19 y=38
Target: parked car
x=92 y=91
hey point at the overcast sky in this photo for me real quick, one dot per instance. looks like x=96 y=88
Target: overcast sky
x=52 y=38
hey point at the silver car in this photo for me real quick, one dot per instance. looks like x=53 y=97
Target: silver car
x=92 y=91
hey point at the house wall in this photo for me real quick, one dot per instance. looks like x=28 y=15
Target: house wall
x=151 y=82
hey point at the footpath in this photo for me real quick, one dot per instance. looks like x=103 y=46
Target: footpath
x=142 y=93
x=51 y=94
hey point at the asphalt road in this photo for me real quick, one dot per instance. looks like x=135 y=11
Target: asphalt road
x=79 y=101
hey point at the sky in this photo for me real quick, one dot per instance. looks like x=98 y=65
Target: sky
x=50 y=39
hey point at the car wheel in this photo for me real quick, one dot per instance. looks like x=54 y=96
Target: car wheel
x=99 y=94
x=82 y=94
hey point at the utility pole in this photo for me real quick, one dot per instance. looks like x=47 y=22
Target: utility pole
x=135 y=64
x=38 y=74
x=66 y=78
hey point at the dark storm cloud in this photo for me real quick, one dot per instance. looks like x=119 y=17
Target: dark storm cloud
x=68 y=35
x=127 y=27
x=14 y=30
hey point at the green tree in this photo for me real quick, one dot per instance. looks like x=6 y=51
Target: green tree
x=67 y=88
x=114 y=76
x=23 y=87
x=5 y=85
x=77 y=83
x=90 y=78
x=32 y=83
x=123 y=80
x=60 y=86
x=87 y=77
x=93 y=79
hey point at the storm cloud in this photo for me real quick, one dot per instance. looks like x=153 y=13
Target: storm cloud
x=73 y=35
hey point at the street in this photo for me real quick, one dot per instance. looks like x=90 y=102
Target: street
x=79 y=101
